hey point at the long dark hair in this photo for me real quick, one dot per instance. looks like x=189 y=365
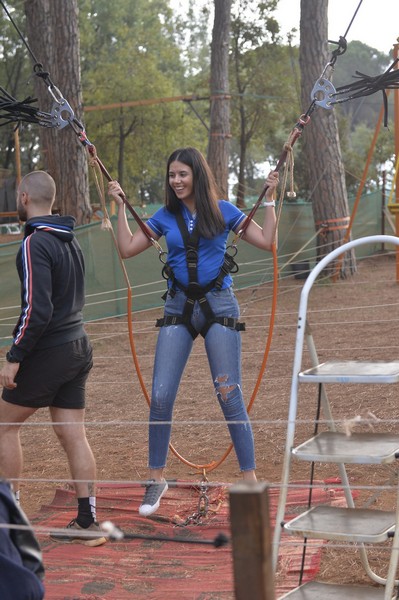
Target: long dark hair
x=210 y=220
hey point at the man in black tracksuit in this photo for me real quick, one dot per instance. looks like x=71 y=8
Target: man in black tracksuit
x=50 y=357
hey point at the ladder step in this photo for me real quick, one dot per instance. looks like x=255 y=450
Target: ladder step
x=360 y=448
x=344 y=524
x=352 y=371
x=326 y=591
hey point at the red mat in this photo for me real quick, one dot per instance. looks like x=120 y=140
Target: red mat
x=159 y=570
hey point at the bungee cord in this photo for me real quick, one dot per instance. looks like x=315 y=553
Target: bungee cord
x=14 y=111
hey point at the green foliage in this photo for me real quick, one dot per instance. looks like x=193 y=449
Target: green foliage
x=15 y=78
x=146 y=51
x=129 y=53
x=262 y=83
x=193 y=36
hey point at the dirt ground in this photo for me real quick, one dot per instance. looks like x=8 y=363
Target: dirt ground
x=350 y=319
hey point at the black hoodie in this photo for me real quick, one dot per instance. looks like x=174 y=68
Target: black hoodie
x=50 y=266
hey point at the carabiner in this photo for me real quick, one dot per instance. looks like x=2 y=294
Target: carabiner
x=233 y=247
x=162 y=254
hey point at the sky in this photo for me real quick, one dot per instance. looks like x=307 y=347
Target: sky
x=376 y=23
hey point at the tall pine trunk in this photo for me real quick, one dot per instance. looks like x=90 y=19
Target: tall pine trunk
x=321 y=139
x=53 y=35
x=219 y=137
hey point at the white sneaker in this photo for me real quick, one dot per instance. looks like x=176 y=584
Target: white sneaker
x=152 y=497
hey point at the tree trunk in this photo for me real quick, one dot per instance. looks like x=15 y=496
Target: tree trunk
x=243 y=155
x=219 y=145
x=321 y=139
x=53 y=36
x=121 y=152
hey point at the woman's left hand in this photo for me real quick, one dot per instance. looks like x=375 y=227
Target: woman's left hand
x=271 y=184
x=116 y=192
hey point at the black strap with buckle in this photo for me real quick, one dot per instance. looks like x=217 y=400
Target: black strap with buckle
x=194 y=292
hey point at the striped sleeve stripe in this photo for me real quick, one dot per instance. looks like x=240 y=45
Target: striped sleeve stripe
x=238 y=221
x=27 y=278
x=154 y=228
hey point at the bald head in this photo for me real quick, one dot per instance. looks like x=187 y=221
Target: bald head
x=40 y=186
x=36 y=195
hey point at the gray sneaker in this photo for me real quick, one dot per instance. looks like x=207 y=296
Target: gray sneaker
x=152 y=497
x=90 y=536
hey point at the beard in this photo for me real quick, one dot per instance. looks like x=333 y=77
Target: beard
x=21 y=213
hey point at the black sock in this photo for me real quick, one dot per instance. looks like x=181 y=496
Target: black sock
x=85 y=517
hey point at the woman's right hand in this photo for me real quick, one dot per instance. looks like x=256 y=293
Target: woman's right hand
x=116 y=192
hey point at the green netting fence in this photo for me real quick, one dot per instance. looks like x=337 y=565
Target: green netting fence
x=106 y=290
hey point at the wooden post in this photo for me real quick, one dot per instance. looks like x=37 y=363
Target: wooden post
x=251 y=541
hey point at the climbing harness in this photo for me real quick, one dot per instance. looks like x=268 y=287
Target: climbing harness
x=194 y=292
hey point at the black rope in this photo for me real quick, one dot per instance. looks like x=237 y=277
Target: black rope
x=14 y=111
x=342 y=43
x=116 y=534
x=38 y=67
x=342 y=48
x=303 y=120
x=367 y=85
x=353 y=18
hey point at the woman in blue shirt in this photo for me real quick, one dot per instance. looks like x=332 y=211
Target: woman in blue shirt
x=200 y=299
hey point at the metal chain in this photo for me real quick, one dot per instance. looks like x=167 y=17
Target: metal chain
x=203 y=505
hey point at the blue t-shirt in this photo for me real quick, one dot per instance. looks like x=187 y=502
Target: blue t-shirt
x=210 y=251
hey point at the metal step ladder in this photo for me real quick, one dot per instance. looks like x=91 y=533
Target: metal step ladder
x=348 y=524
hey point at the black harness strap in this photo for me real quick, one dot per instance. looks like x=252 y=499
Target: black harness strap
x=230 y=322
x=194 y=292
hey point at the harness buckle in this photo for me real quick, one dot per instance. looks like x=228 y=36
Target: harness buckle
x=166 y=271
x=192 y=255
x=232 y=266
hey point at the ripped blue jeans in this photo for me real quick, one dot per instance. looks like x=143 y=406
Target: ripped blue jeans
x=223 y=348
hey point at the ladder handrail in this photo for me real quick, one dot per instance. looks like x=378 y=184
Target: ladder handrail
x=320 y=266
x=297 y=364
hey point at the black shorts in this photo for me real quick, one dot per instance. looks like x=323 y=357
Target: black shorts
x=53 y=377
